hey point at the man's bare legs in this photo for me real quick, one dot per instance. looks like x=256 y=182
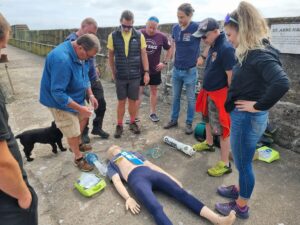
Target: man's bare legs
x=132 y=109
x=139 y=101
x=74 y=142
x=153 y=101
x=121 y=111
x=224 y=144
x=153 y=98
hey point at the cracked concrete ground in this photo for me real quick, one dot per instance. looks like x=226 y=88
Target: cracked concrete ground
x=275 y=200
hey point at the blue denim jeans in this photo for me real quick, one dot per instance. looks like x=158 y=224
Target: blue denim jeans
x=187 y=78
x=246 y=130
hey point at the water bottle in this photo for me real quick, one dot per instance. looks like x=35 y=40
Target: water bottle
x=179 y=145
x=92 y=159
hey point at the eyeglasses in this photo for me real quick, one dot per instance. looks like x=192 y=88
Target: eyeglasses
x=126 y=26
x=205 y=35
x=229 y=19
x=87 y=55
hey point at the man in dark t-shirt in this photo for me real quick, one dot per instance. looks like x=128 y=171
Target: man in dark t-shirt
x=156 y=41
x=18 y=201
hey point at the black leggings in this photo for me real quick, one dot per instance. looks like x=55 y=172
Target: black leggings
x=143 y=180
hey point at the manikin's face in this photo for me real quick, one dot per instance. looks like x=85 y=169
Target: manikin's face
x=232 y=35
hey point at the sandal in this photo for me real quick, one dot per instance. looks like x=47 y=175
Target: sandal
x=82 y=164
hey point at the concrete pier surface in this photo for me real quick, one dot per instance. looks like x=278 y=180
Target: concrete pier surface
x=275 y=200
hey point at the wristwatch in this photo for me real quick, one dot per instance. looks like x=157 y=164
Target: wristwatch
x=146 y=71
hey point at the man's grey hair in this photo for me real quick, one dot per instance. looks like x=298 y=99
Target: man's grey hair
x=89 y=42
x=89 y=21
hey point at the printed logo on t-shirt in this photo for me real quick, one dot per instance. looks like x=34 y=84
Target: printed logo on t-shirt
x=186 y=37
x=151 y=46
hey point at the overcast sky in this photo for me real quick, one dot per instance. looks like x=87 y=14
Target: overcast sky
x=53 y=14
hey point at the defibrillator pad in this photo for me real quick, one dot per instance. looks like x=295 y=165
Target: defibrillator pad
x=131 y=158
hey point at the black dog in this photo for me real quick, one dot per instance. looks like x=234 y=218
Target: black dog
x=49 y=135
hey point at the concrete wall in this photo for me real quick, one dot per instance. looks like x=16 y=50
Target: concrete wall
x=286 y=114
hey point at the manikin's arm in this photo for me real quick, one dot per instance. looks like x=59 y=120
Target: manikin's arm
x=130 y=202
x=158 y=169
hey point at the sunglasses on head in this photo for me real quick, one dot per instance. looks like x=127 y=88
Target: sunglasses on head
x=229 y=19
x=126 y=26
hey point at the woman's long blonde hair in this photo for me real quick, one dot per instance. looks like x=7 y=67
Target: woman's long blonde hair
x=252 y=28
x=4 y=27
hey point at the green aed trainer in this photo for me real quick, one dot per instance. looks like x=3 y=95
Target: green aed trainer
x=267 y=154
x=89 y=184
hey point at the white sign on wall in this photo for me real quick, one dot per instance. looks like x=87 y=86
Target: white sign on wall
x=286 y=38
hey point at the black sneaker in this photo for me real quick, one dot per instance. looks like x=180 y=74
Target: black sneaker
x=119 y=131
x=189 y=129
x=134 y=128
x=100 y=132
x=154 y=117
x=172 y=123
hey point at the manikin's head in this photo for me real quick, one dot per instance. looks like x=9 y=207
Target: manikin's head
x=112 y=151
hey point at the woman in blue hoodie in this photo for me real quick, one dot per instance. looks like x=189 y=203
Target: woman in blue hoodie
x=258 y=82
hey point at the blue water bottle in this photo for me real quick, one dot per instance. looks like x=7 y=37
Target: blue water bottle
x=92 y=159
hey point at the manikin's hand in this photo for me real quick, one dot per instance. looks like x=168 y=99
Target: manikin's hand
x=132 y=205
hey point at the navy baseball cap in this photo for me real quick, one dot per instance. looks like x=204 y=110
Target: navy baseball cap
x=209 y=24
